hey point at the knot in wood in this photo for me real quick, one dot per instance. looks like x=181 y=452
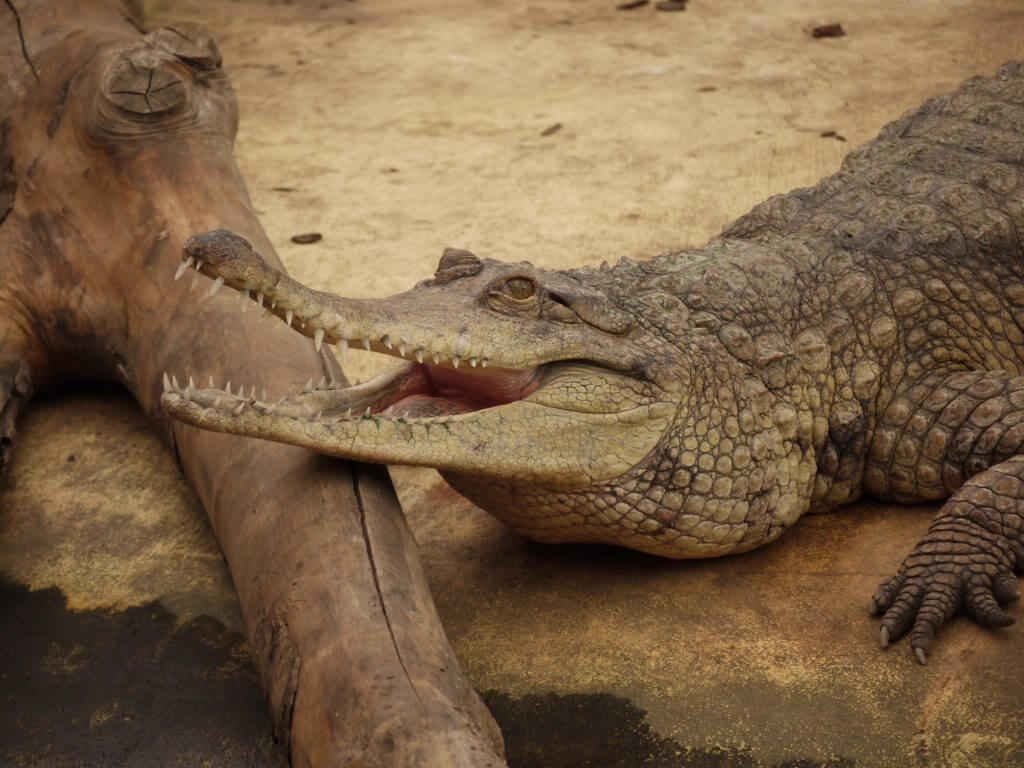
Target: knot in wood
x=143 y=81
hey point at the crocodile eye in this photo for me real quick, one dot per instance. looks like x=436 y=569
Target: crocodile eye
x=519 y=288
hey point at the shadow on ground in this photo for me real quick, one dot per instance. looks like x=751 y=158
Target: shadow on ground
x=604 y=731
x=125 y=688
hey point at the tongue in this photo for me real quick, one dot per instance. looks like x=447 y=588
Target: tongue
x=422 y=406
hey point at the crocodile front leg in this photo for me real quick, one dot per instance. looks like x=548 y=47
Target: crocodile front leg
x=960 y=434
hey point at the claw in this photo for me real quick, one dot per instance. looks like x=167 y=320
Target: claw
x=922 y=657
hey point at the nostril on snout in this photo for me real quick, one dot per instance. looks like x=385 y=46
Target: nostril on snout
x=218 y=246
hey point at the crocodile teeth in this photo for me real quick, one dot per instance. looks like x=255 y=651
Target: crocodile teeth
x=401 y=348
x=472 y=362
x=483 y=363
x=245 y=300
x=238 y=409
x=216 y=286
x=348 y=414
x=227 y=387
x=419 y=355
x=386 y=341
x=309 y=386
x=213 y=385
x=183 y=267
x=343 y=351
x=455 y=360
x=174 y=381
x=437 y=359
x=318 y=338
x=259 y=300
x=366 y=343
x=289 y=316
x=323 y=383
x=167 y=383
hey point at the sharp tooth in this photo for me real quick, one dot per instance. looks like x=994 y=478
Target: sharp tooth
x=419 y=355
x=472 y=362
x=199 y=265
x=188 y=394
x=227 y=387
x=174 y=381
x=245 y=300
x=318 y=338
x=455 y=360
x=216 y=286
x=288 y=316
x=167 y=383
x=348 y=414
x=343 y=351
x=386 y=341
x=401 y=348
x=309 y=386
x=318 y=414
x=437 y=359
x=216 y=402
x=259 y=300
x=323 y=383
x=191 y=384
x=252 y=395
x=483 y=363
x=273 y=304
x=212 y=385
x=366 y=343
x=239 y=408
x=183 y=267
x=367 y=411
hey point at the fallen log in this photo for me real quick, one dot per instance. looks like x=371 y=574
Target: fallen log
x=115 y=145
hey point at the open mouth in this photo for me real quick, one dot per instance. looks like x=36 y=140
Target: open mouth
x=513 y=400
x=432 y=383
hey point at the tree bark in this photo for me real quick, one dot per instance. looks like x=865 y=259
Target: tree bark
x=115 y=146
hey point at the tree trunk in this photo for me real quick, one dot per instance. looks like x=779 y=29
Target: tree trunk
x=114 y=147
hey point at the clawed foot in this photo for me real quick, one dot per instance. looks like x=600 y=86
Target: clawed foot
x=958 y=564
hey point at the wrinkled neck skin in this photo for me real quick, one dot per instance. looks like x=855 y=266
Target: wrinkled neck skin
x=747 y=362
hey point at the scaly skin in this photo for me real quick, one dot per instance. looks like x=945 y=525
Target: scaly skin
x=864 y=334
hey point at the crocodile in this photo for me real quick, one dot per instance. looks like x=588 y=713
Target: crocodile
x=864 y=336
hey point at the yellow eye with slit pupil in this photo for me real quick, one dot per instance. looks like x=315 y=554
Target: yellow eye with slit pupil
x=519 y=288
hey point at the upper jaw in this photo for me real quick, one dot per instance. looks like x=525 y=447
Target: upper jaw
x=424 y=324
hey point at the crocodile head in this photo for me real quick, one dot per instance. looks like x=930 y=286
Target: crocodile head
x=541 y=395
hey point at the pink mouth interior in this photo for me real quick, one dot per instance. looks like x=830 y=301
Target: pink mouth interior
x=433 y=391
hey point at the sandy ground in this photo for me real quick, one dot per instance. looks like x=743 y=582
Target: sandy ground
x=395 y=129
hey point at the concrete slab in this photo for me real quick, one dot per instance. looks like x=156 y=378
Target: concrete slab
x=395 y=129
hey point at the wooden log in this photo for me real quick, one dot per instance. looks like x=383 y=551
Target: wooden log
x=115 y=146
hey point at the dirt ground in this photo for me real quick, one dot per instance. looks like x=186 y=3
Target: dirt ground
x=564 y=132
